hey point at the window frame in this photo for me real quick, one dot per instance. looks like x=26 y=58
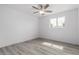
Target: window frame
x=57 y=22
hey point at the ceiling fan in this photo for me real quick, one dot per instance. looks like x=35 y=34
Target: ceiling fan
x=42 y=9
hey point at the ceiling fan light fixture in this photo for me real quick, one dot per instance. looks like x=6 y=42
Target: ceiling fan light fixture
x=41 y=12
x=42 y=9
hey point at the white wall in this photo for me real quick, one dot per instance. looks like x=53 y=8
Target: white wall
x=78 y=25
x=67 y=34
x=16 y=26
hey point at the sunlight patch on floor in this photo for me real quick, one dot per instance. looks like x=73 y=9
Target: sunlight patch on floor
x=53 y=45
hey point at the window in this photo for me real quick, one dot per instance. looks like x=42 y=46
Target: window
x=53 y=22
x=57 y=22
x=61 y=21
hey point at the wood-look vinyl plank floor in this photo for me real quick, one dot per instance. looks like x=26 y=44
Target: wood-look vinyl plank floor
x=40 y=47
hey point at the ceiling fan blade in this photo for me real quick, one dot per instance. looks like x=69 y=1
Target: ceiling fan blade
x=48 y=11
x=46 y=6
x=35 y=7
x=40 y=5
x=35 y=12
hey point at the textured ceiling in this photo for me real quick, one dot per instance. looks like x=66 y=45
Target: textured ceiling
x=56 y=8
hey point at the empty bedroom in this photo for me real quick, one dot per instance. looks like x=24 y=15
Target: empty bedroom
x=39 y=29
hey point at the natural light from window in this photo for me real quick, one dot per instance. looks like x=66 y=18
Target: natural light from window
x=61 y=21
x=57 y=22
x=53 y=45
x=53 y=22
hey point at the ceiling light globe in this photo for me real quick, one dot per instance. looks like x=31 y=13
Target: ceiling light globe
x=41 y=12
